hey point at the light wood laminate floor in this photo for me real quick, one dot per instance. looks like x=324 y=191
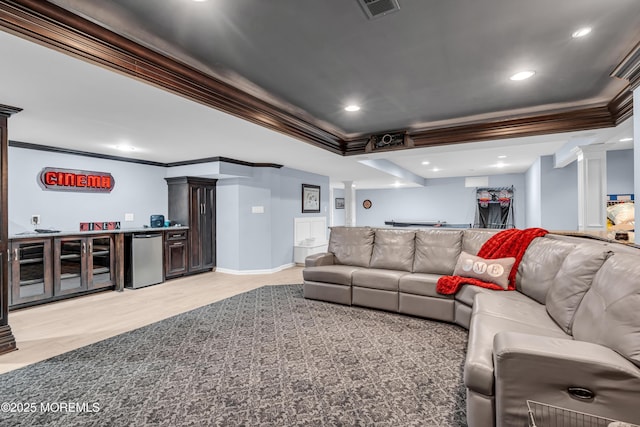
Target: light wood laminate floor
x=48 y=330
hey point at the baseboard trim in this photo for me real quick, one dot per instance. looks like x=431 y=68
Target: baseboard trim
x=251 y=272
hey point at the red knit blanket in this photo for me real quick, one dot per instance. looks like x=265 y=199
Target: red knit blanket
x=508 y=243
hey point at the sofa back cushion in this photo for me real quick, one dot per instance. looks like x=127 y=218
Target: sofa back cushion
x=473 y=239
x=573 y=281
x=393 y=249
x=539 y=266
x=609 y=313
x=437 y=251
x=351 y=245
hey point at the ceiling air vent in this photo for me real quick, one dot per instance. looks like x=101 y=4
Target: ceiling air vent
x=378 y=8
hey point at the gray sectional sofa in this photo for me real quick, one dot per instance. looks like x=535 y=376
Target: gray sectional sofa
x=568 y=336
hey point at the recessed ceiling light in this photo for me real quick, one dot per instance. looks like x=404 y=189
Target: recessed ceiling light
x=522 y=75
x=581 y=32
x=426 y=162
x=435 y=169
x=626 y=139
x=500 y=165
x=397 y=184
x=123 y=147
x=352 y=108
x=502 y=156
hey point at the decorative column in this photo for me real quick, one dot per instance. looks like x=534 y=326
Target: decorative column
x=349 y=204
x=7 y=340
x=592 y=187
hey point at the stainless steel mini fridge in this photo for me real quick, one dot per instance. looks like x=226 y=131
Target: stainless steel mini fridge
x=146 y=260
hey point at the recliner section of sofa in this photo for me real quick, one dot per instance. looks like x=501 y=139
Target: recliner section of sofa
x=571 y=295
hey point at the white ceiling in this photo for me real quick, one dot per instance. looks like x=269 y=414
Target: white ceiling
x=75 y=105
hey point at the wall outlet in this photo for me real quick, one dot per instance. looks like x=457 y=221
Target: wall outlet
x=35 y=219
x=128 y=217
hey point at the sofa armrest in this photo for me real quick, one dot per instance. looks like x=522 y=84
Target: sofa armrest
x=531 y=367
x=316 y=260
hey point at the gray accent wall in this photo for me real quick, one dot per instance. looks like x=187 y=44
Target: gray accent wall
x=246 y=241
x=139 y=189
x=559 y=195
x=552 y=193
x=444 y=199
x=262 y=241
x=339 y=215
x=620 y=172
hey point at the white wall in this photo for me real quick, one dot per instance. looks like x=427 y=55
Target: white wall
x=139 y=189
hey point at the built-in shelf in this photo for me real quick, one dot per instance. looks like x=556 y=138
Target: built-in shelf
x=31 y=282
x=31 y=260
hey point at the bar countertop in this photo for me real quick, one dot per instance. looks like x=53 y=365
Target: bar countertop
x=62 y=233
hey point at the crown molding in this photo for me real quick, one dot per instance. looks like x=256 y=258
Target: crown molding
x=225 y=160
x=57 y=28
x=7 y=110
x=38 y=147
x=629 y=68
x=566 y=121
x=48 y=148
x=621 y=106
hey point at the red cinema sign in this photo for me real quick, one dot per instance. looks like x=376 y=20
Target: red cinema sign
x=57 y=179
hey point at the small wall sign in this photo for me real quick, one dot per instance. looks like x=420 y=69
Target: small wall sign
x=93 y=226
x=57 y=179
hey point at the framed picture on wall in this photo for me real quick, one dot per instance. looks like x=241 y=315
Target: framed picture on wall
x=310 y=198
x=339 y=202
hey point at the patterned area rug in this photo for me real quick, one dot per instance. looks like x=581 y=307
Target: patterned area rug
x=268 y=357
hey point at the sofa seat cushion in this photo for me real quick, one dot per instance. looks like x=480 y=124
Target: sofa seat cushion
x=336 y=274
x=494 y=313
x=374 y=278
x=514 y=306
x=467 y=293
x=421 y=284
